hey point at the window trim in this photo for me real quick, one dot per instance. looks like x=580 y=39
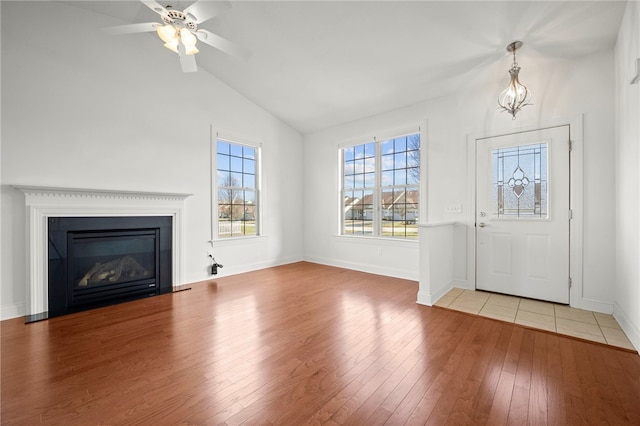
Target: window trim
x=215 y=137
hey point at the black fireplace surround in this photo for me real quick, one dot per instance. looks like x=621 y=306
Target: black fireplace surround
x=99 y=261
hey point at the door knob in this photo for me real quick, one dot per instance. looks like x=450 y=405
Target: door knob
x=482 y=224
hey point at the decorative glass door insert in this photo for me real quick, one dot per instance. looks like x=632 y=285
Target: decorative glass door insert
x=520 y=184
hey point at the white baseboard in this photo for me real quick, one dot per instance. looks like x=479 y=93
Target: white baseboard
x=372 y=269
x=429 y=299
x=592 y=305
x=627 y=326
x=425 y=298
x=12 y=311
x=250 y=267
x=463 y=284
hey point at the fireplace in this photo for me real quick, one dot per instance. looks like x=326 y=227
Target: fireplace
x=98 y=261
x=43 y=203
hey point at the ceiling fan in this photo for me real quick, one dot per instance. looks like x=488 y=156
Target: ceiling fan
x=179 y=30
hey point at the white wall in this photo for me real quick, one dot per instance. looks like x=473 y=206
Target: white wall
x=627 y=283
x=80 y=110
x=560 y=93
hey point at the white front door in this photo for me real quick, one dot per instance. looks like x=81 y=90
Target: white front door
x=522 y=214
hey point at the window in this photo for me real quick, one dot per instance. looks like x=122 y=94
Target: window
x=381 y=187
x=237 y=189
x=520 y=181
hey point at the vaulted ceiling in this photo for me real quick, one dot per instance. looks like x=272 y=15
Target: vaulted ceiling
x=317 y=64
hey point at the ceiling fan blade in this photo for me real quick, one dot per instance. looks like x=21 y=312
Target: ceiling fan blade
x=132 y=28
x=223 y=44
x=187 y=62
x=202 y=10
x=155 y=6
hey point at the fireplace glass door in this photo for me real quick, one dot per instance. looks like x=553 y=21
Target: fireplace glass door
x=102 y=264
x=99 y=261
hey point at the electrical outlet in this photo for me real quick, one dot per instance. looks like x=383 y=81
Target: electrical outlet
x=210 y=253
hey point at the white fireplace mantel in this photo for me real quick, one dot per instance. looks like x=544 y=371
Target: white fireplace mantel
x=44 y=202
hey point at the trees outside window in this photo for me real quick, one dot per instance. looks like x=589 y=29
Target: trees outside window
x=237 y=189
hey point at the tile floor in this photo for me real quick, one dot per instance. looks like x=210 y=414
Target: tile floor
x=561 y=319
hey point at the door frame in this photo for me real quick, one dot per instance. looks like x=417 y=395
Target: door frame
x=576 y=168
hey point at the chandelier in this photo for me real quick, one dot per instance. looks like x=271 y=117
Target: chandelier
x=516 y=95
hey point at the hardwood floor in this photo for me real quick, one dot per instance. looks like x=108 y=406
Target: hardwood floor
x=306 y=344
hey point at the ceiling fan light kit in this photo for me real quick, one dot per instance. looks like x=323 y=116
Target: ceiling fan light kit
x=516 y=95
x=179 y=30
